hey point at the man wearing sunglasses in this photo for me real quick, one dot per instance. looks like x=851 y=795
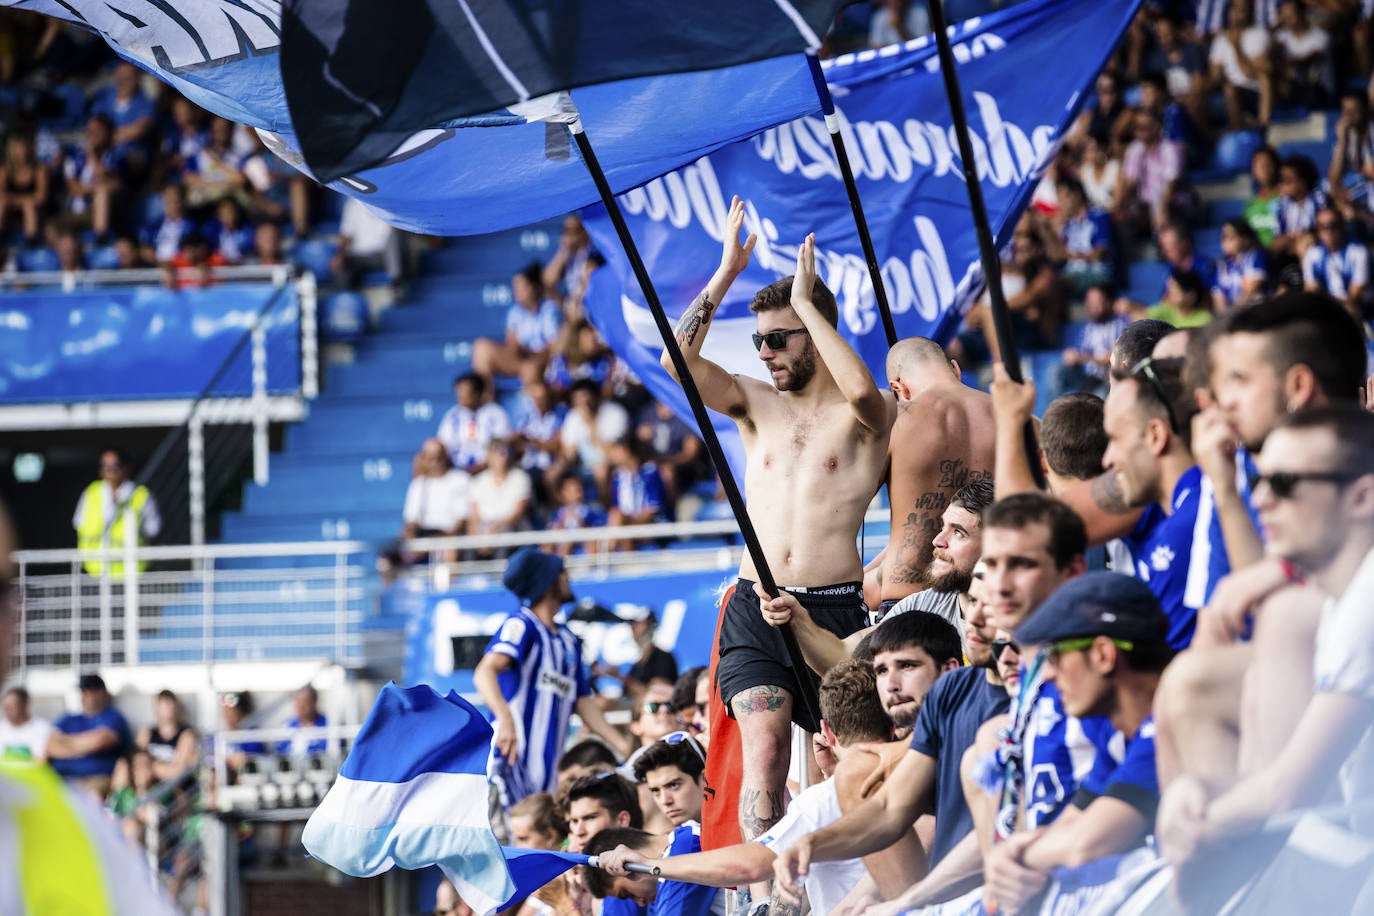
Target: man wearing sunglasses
x=816 y=443
x=1315 y=496
x=1104 y=641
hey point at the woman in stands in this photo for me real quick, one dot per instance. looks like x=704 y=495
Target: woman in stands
x=1262 y=209
x=1242 y=270
x=23 y=185
x=172 y=742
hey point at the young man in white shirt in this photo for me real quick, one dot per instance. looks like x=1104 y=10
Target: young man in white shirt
x=22 y=736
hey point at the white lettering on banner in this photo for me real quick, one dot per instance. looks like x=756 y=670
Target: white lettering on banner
x=879 y=150
x=553 y=682
x=965 y=51
x=186 y=35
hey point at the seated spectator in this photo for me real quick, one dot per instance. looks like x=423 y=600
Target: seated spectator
x=1306 y=76
x=591 y=425
x=594 y=803
x=638 y=496
x=654 y=665
x=569 y=261
x=193 y=266
x=366 y=243
x=1150 y=176
x=131 y=113
x=216 y=171
x=897 y=21
x=671 y=444
x=128 y=254
x=1187 y=301
x=1177 y=123
x=501 y=497
x=1087 y=359
x=183 y=141
x=235 y=709
x=172 y=743
x=1104 y=663
x=24 y=187
x=230 y=235
x=22 y=736
x=95 y=175
x=687 y=693
x=536 y=433
x=1240 y=64
x=278 y=191
x=1335 y=264
x=1176 y=247
x=578 y=353
x=84 y=747
x=1352 y=157
x=1105 y=117
x=672 y=769
x=1262 y=209
x=531 y=328
x=129 y=800
x=1242 y=270
x=162 y=237
x=1086 y=237
x=267 y=247
x=1100 y=174
x=1298 y=205
x=535 y=823
x=437 y=505
x=1035 y=295
x=305 y=703
x=71 y=253
x=1182 y=64
x=574 y=513
x=470 y=426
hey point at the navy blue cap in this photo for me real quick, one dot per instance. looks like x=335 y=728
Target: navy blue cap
x=90 y=682
x=1098 y=604
x=530 y=573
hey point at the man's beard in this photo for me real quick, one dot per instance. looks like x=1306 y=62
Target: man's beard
x=904 y=719
x=956 y=580
x=800 y=373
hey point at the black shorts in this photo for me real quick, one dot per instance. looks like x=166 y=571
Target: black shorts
x=884 y=606
x=752 y=653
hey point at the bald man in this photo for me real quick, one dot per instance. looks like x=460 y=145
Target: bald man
x=942 y=439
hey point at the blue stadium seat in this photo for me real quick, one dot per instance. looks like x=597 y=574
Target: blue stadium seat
x=314 y=255
x=34 y=260
x=1219 y=211
x=1233 y=151
x=1207 y=243
x=344 y=316
x=103 y=257
x=1145 y=279
x=1319 y=151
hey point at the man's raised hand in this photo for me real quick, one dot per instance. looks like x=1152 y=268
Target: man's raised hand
x=1012 y=402
x=734 y=256
x=805 y=278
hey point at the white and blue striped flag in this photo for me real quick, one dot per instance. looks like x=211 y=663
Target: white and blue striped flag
x=413 y=793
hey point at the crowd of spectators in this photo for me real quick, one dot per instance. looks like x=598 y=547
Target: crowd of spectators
x=105 y=167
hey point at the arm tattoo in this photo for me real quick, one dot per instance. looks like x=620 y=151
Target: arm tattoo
x=694 y=320
x=1107 y=494
x=760 y=699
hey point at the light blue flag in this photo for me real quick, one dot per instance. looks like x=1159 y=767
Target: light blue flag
x=1024 y=72
x=413 y=792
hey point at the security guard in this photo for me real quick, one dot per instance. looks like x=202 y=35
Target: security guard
x=100 y=520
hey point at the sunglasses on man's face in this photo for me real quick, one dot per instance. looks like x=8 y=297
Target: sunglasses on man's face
x=654 y=707
x=776 y=340
x=1283 y=483
x=1001 y=645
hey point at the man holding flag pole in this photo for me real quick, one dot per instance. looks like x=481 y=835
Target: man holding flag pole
x=815 y=442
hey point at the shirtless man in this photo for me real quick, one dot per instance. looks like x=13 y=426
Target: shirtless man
x=942 y=439
x=815 y=443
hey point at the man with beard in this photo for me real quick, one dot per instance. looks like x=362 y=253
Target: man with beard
x=942 y=440
x=532 y=679
x=815 y=442
x=956 y=550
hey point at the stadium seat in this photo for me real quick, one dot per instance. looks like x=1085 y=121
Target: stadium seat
x=34 y=260
x=1233 y=151
x=103 y=257
x=314 y=255
x=345 y=317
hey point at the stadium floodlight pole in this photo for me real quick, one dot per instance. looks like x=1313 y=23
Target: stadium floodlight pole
x=987 y=248
x=832 y=124
x=808 y=699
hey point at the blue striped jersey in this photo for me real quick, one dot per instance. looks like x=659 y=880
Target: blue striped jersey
x=1060 y=751
x=680 y=898
x=542 y=689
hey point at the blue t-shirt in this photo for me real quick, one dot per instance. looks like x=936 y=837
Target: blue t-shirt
x=958 y=703
x=1180 y=556
x=103 y=763
x=682 y=898
x=1087 y=233
x=614 y=906
x=1131 y=777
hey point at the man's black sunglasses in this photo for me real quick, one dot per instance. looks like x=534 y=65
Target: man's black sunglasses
x=1146 y=369
x=776 y=340
x=1283 y=483
x=1001 y=645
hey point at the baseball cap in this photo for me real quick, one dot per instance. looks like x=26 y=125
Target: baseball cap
x=530 y=573
x=1098 y=604
x=90 y=682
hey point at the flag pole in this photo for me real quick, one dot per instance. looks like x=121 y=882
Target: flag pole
x=987 y=248
x=832 y=124
x=808 y=698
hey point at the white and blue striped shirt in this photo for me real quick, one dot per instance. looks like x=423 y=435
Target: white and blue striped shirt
x=535 y=330
x=541 y=690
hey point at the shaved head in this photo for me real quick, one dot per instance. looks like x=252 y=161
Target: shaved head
x=913 y=354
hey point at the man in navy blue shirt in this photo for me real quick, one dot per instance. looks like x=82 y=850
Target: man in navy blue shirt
x=1105 y=641
x=84 y=747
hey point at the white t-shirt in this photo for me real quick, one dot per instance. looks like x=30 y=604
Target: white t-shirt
x=495 y=500
x=437 y=503
x=612 y=423
x=25 y=742
x=1254 y=42
x=827 y=882
x=1344 y=663
x=1300 y=47
x=367 y=232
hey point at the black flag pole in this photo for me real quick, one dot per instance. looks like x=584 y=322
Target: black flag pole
x=987 y=248
x=808 y=698
x=832 y=124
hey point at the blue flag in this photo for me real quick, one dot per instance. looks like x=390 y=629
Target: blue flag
x=413 y=792
x=898 y=132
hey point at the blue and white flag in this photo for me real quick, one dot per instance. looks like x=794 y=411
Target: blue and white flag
x=413 y=792
x=1024 y=70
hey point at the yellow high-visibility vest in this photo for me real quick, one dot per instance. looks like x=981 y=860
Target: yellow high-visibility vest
x=60 y=873
x=91 y=532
